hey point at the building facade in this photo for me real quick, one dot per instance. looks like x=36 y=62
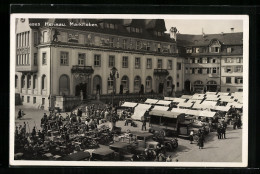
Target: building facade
x=61 y=58
x=213 y=62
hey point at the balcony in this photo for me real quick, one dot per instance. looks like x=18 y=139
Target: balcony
x=160 y=72
x=26 y=68
x=77 y=69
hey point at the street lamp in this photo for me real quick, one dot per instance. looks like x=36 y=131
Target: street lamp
x=114 y=75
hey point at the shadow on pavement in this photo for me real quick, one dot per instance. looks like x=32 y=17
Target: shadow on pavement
x=24 y=119
x=210 y=147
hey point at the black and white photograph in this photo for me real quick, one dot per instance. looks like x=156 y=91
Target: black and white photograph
x=129 y=90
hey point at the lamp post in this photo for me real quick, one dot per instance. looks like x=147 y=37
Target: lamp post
x=114 y=75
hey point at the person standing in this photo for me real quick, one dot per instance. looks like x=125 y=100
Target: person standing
x=201 y=142
x=19 y=114
x=223 y=132
x=144 y=125
x=219 y=132
x=191 y=137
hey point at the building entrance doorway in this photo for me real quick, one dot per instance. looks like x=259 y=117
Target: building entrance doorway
x=81 y=87
x=161 y=86
x=187 y=86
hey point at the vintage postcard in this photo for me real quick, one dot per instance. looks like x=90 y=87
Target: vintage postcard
x=129 y=90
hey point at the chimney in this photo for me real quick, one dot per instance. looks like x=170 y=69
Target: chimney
x=232 y=30
x=173 y=32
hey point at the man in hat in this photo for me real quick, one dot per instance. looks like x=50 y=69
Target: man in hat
x=19 y=114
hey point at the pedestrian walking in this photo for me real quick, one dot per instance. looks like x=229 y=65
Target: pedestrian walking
x=201 y=142
x=144 y=125
x=191 y=137
x=19 y=114
x=219 y=132
x=223 y=132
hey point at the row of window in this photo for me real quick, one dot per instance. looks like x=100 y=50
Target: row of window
x=203 y=60
x=237 y=80
x=22 y=39
x=214 y=70
x=34 y=100
x=109 y=41
x=64 y=60
x=234 y=60
x=212 y=49
x=23 y=59
x=230 y=69
x=31 y=82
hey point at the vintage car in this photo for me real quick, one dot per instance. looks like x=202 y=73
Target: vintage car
x=104 y=153
x=124 y=150
x=79 y=156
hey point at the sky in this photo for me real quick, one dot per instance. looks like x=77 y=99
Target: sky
x=185 y=26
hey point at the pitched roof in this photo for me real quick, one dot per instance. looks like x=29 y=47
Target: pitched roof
x=157 y=24
x=199 y=40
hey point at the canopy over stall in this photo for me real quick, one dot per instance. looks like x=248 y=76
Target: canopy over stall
x=201 y=106
x=221 y=108
x=223 y=93
x=186 y=96
x=194 y=101
x=169 y=98
x=211 y=93
x=178 y=110
x=164 y=102
x=209 y=103
x=169 y=114
x=212 y=98
x=140 y=111
x=224 y=98
x=198 y=97
x=207 y=114
x=193 y=112
x=160 y=108
x=179 y=100
x=236 y=105
x=185 y=105
x=151 y=101
x=129 y=104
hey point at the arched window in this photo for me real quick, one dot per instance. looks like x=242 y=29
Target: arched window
x=148 y=82
x=137 y=82
x=29 y=81
x=35 y=82
x=44 y=82
x=212 y=82
x=125 y=82
x=64 y=85
x=16 y=80
x=97 y=84
x=169 y=82
x=23 y=81
x=198 y=82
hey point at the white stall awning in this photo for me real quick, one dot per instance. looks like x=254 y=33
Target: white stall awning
x=160 y=108
x=235 y=104
x=151 y=101
x=129 y=104
x=179 y=100
x=207 y=114
x=221 y=108
x=193 y=112
x=211 y=93
x=197 y=97
x=185 y=105
x=143 y=106
x=223 y=93
x=186 y=96
x=178 y=110
x=212 y=98
x=209 y=103
x=163 y=102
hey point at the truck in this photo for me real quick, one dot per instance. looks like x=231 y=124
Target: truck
x=166 y=123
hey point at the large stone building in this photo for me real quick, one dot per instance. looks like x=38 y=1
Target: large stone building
x=213 y=62
x=58 y=59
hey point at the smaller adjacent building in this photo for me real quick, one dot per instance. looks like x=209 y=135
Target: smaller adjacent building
x=213 y=62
